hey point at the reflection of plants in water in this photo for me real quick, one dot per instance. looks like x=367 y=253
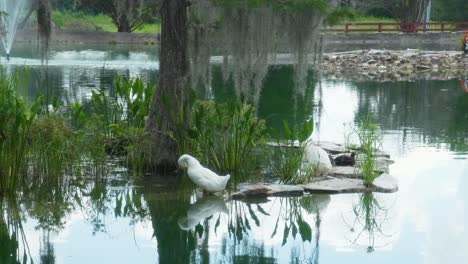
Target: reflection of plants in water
x=370 y=216
x=239 y=223
x=290 y=222
x=293 y=220
x=98 y=200
x=14 y=246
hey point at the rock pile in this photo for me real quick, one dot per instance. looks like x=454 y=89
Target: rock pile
x=394 y=65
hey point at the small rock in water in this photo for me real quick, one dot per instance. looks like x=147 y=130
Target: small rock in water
x=265 y=190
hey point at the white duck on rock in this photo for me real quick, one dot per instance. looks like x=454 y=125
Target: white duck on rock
x=317 y=157
x=203 y=177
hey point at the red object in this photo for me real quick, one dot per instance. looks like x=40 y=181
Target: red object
x=463 y=85
x=464 y=44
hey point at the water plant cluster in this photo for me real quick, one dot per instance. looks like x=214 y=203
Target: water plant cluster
x=74 y=139
x=370 y=143
x=287 y=157
x=41 y=139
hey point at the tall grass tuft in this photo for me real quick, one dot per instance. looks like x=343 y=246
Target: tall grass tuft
x=371 y=141
x=287 y=156
x=225 y=136
x=16 y=118
x=53 y=146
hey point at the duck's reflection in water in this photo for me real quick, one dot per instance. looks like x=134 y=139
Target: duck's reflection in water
x=202 y=209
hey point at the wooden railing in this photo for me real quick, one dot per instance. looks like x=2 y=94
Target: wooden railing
x=412 y=27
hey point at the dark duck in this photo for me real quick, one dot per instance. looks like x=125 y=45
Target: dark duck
x=345 y=160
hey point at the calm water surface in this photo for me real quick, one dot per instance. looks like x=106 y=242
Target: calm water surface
x=150 y=220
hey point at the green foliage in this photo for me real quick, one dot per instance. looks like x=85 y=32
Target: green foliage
x=119 y=121
x=53 y=146
x=450 y=10
x=99 y=22
x=287 y=155
x=16 y=118
x=224 y=135
x=293 y=5
x=339 y=15
x=371 y=141
x=129 y=108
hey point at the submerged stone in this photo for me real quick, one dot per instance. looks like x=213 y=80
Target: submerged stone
x=265 y=190
x=345 y=172
x=384 y=184
x=336 y=185
x=331 y=147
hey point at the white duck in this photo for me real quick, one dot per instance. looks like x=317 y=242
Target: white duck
x=201 y=176
x=317 y=157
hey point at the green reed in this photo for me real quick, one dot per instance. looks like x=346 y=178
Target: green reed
x=287 y=156
x=53 y=146
x=371 y=142
x=16 y=118
x=226 y=136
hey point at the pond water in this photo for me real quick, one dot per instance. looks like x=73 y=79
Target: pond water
x=118 y=219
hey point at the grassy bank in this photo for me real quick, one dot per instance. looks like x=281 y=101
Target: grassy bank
x=100 y=22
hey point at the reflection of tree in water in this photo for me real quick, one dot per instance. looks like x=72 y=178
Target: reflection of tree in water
x=248 y=38
x=278 y=101
x=369 y=218
x=165 y=206
x=433 y=111
x=47 y=254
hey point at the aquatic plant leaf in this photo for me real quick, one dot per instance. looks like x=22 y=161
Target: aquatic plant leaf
x=199 y=230
x=294 y=230
x=247 y=224
x=288 y=134
x=276 y=228
x=304 y=230
x=239 y=234
x=252 y=214
x=285 y=234
x=217 y=223
x=306 y=131
x=261 y=210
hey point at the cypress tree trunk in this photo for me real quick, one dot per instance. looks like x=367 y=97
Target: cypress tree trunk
x=173 y=87
x=123 y=24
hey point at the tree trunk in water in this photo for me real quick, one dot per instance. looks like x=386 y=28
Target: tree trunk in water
x=172 y=90
x=123 y=25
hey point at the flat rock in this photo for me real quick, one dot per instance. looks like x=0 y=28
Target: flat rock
x=336 y=185
x=345 y=171
x=331 y=147
x=265 y=190
x=386 y=184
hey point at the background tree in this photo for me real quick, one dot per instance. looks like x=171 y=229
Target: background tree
x=405 y=11
x=450 y=10
x=127 y=15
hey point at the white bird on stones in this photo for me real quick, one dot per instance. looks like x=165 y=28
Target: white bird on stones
x=204 y=178
x=317 y=157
